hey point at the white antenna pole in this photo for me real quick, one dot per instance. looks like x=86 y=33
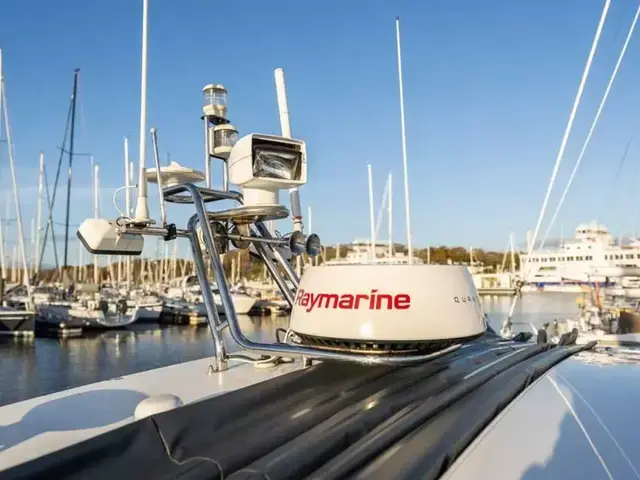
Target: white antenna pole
x=371 y=216
x=285 y=127
x=132 y=174
x=96 y=213
x=32 y=247
x=39 y=214
x=14 y=271
x=128 y=172
x=14 y=181
x=404 y=146
x=142 y=207
x=127 y=175
x=390 y=219
x=513 y=255
x=3 y=265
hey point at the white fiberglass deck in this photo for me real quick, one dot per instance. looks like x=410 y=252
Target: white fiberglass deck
x=40 y=425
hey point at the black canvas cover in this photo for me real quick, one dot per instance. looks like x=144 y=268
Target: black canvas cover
x=332 y=420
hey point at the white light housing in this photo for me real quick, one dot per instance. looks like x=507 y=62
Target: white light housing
x=264 y=164
x=102 y=237
x=215 y=101
x=387 y=303
x=222 y=138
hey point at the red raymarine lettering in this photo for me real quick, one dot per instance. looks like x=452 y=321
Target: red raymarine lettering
x=348 y=301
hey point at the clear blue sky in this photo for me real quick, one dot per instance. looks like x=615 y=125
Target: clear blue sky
x=488 y=90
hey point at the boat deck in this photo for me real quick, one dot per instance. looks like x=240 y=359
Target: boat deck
x=332 y=420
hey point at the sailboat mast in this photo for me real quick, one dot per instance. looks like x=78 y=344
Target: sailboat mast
x=513 y=255
x=39 y=214
x=390 y=204
x=371 y=216
x=71 y=139
x=96 y=213
x=14 y=181
x=404 y=145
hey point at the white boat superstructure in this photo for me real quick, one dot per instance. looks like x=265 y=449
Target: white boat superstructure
x=360 y=253
x=592 y=257
x=187 y=290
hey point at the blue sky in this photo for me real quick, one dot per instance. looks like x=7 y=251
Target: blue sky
x=488 y=90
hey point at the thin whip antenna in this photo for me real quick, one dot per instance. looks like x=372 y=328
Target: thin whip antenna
x=142 y=207
x=285 y=128
x=383 y=206
x=585 y=74
x=372 y=225
x=404 y=145
x=593 y=125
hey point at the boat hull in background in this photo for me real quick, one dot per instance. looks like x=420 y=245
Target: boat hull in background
x=16 y=322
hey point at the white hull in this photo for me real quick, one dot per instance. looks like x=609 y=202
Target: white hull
x=147 y=312
x=73 y=415
x=566 y=288
x=242 y=303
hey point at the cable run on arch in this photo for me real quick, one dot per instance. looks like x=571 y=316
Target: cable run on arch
x=593 y=127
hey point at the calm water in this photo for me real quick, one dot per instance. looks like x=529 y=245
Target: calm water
x=40 y=366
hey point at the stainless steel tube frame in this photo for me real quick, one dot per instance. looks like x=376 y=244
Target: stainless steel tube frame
x=213 y=319
x=286 y=349
x=172 y=194
x=232 y=319
x=264 y=231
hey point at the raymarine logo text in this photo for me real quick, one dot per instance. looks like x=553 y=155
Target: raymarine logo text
x=347 y=301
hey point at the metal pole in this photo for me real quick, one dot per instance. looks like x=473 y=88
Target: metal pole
x=371 y=216
x=404 y=146
x=96 y=213
x=49 y=224
x=285 y=127
x=71 y=139
x=127 y=199
x=142 y=206
x=3 y=265
x=207 y=157
x=390 y=220
x=14 y=181
x=39 y=214
x=156 y=156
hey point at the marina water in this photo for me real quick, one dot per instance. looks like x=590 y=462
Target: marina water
x=29 y=368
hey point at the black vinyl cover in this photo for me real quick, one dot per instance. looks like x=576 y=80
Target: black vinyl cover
x=332 y=420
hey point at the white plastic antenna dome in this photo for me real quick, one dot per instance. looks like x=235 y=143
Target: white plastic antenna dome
x=174 y=174
x=386 y=307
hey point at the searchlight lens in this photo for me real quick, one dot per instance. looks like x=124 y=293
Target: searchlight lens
x=313 y=246
x=297 y=243
x=274 y=162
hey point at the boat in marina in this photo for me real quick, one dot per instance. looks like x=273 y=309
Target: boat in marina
x=187 y=294
x=359 y=252
x=592 y=257
x=386 y=371
x=14 y=322
x=367 y=381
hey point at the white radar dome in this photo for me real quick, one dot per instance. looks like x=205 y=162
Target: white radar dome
x=386 y=307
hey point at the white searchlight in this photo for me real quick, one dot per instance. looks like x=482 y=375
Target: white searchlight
x=264 y=164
